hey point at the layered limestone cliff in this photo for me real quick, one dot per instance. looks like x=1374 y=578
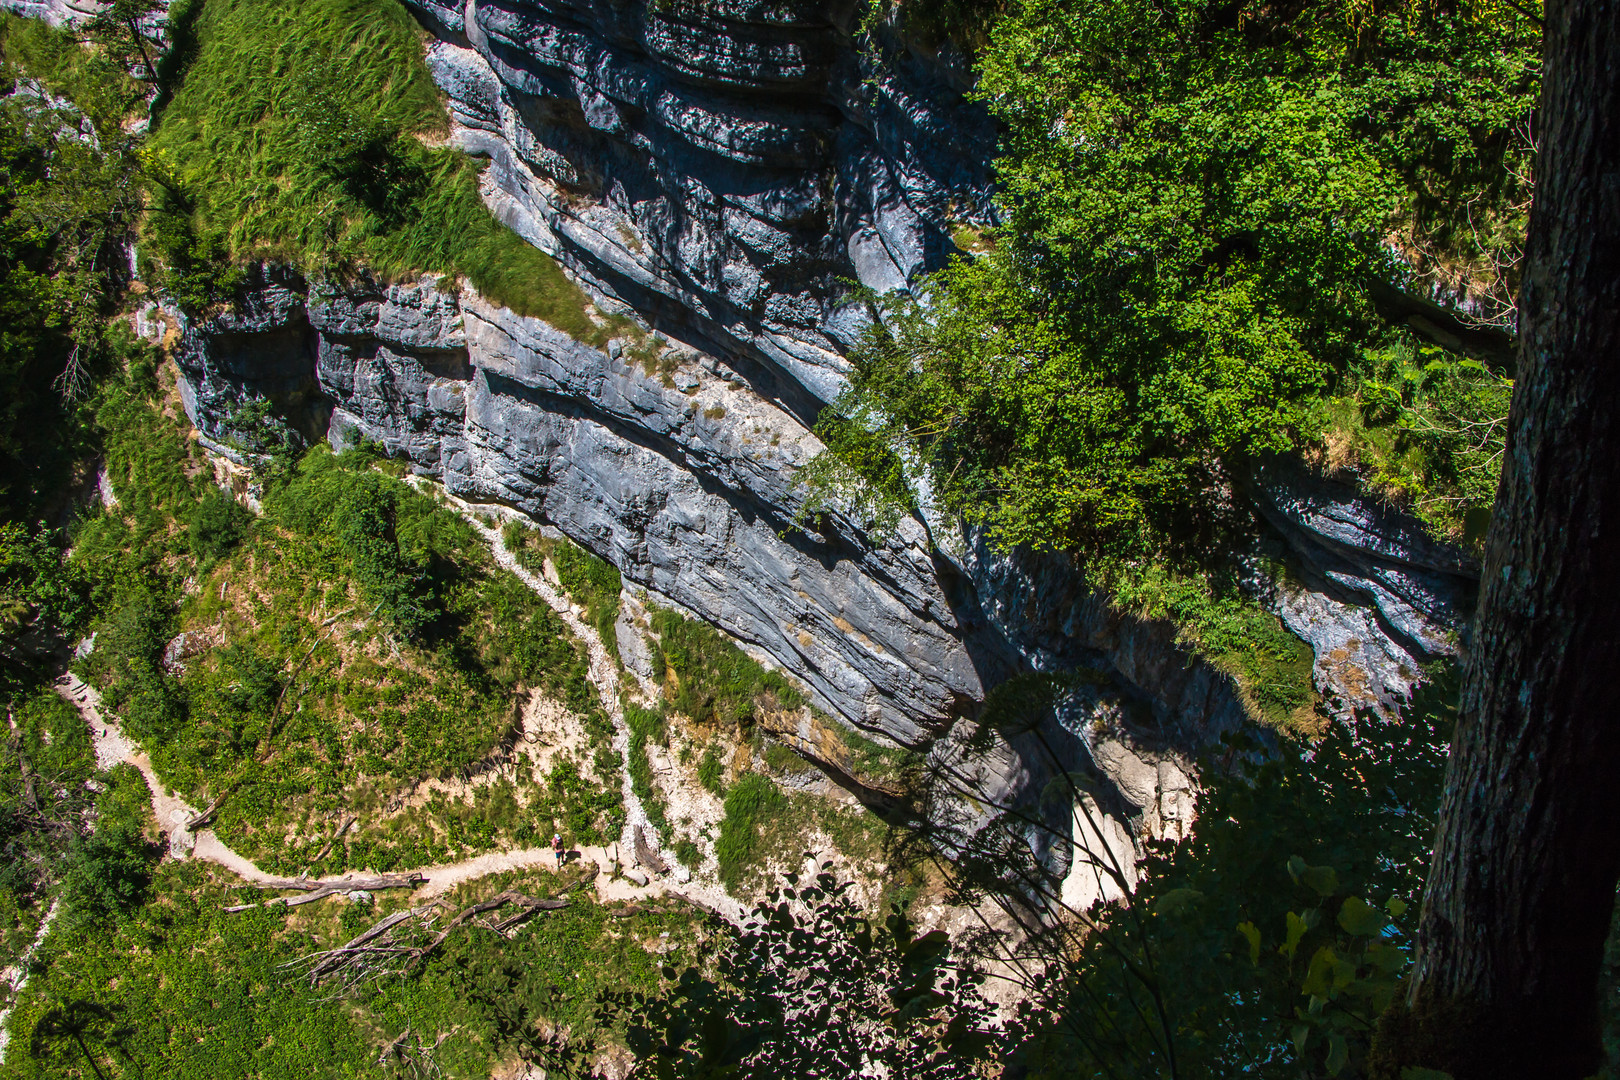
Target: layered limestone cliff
x=721 y=171
x=723 y=168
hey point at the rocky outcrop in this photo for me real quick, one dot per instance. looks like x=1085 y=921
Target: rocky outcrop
x=716 y=170
x=1374 y=595
x=721 y=168
x=55 y=12
x=680 y=472
x=683 y=478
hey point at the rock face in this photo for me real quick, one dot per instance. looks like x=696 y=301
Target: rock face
x=1376 y=597
x=719 y=167
x=716 y=169
x=55 y=12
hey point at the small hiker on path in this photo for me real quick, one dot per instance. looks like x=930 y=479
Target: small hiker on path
x=557 y=848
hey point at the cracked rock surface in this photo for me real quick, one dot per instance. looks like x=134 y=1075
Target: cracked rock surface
x=718 y=171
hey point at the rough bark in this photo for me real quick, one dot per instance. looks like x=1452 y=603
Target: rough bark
x=1522 y=888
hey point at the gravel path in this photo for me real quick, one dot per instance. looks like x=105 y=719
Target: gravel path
x=604 y=674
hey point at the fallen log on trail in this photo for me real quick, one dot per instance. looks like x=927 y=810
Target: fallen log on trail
x=205 y=818
x=346 y=884
x=529 y=904
x=343 y=827
x=319 y=890
x=646 y=856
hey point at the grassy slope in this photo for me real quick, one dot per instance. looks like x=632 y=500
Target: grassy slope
x=306 y=704
x=172 y=986
x=303 y=130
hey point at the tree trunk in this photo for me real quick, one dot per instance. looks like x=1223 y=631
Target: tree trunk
x=1522 y=889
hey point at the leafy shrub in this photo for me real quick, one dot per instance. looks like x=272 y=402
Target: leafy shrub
x=217 y=525
x=363 y=522
x=108 y=872
x=688 y=854
x=749 y=804
x=1426 y=430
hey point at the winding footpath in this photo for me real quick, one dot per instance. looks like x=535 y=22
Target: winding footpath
x=174 y=814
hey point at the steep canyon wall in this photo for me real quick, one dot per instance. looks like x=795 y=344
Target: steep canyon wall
x=723 y=171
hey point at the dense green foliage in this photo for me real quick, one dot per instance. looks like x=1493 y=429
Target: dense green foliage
x=69 y=196
x=181 y=989
x=1198 y=199
x=1425 y=430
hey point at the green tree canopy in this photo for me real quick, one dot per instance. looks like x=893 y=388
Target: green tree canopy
x=1200 y=203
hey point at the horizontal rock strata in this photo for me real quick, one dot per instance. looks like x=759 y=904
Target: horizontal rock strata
x=721 y=171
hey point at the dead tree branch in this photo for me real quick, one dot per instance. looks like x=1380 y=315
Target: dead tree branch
x=395 y=945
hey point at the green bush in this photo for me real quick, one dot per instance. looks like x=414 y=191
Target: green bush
x=1426 y=430
x=363 y=522
x=217 y=525
x=750 y=803
x=108 y=872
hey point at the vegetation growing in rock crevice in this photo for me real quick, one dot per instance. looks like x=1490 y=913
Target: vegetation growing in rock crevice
x=714 y=681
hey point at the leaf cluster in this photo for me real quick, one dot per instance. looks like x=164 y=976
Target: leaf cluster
x=1197 y=199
